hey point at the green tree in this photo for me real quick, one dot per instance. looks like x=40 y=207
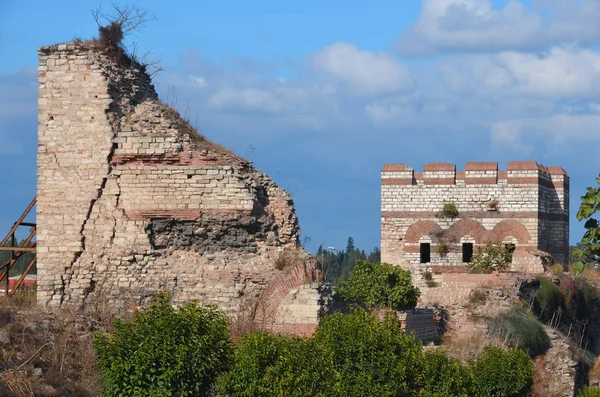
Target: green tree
x=372 y=357
x=445 y=377
x=268 y=365
x=502 y=373
x=375 y=255
x=379 y=284
x=589 y=253
x=350 y=245
x=166 y=351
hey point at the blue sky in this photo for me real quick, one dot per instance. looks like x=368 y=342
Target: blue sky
x=321 y=94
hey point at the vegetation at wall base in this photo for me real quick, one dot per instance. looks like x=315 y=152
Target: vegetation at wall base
x=379 y=284
x=273 y=365
x=166 y=351
x=549 y=300
x=588 y=391
x=491 y=257
x=445 y=377
x=520 y=330
x=502 y=373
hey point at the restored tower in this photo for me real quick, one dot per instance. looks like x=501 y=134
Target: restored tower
x=526 y=206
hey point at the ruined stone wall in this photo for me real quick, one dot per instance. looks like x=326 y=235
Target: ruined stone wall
x=527 y=205
x=131 y=199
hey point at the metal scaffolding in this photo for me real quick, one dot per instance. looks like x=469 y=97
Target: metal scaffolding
x=16 y=252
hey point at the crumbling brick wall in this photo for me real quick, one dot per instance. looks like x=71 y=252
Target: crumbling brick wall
x=131 y=199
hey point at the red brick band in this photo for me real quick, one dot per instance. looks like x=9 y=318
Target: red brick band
x=181 y=159
x=439 y=181
x=481 y=166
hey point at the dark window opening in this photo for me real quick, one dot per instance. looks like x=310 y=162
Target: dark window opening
x=510 y=247
x=425 y=253
x=467 y=252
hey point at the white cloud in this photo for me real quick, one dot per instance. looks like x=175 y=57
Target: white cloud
x=251 y=99
x=367 y=72
x=561 y=72
x=198 y=81
x=476 y=25
x=559 y=133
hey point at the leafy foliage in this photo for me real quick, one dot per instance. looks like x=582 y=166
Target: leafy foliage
x=502 y=373
x=521 y=331
x=379 y=284
x=445 y=377
x=275 y=365
x=450 y=210
x=549 y=299
x=166 y=351
x=372 y=358
x=590 y=242
x=489 y=258
x=349 y=355
x=589 y=392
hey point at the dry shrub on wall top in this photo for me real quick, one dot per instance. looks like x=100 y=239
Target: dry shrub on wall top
x=114 y=26
x=287 y=259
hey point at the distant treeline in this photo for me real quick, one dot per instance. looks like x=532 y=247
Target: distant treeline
x=338 y=264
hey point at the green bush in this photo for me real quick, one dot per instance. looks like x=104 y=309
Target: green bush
x=489 y=258
x=450 y=210
x=520 y=331
x=549 y=299
x=166 y=351
x=445 y=377
x=379 y=284
x=268 y=365
x=502 y=373
x=589 y=392
x=372 y=358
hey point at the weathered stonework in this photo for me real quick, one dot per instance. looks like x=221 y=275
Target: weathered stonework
x=131 y=199
x=527 y=205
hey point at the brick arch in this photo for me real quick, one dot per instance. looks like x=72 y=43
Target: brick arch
x=464 y=227
x=274 y=293
x=423 y=228
x=510 y=227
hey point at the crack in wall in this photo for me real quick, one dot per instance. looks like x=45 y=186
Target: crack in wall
x=99 y=194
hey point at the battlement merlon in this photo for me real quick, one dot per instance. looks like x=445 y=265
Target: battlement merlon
x=476 y=173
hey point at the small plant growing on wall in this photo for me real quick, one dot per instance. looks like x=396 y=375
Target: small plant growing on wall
x=450 y=210
x=493 y=205
x=442 y=248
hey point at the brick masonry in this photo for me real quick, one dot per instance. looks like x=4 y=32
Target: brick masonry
x=132 y=199
x=526 y=205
